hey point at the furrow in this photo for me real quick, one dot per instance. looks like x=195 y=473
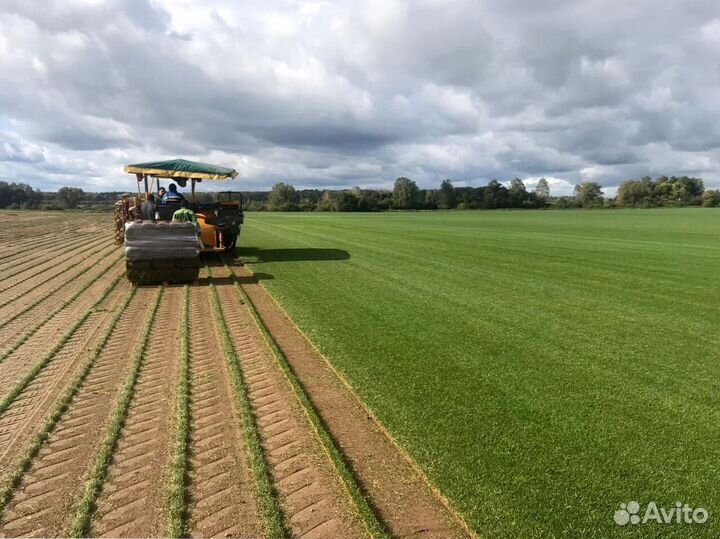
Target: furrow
x=67 y=263
x=24 y=357
x=39 y=251
x=218 y=462
x=24 y=416
x=80 y=431
x=311 y=495
x=135 y=475
x=80 y=292
x=35 y=291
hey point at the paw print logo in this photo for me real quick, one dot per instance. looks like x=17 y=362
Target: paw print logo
x=627 y=513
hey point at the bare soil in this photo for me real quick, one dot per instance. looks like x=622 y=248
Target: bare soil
x=53 y=268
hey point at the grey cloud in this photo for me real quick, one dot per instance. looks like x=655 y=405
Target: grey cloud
x=336 y=94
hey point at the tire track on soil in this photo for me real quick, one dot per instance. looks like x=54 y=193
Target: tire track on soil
x=25 y=415
x=42 y=505
x=314 y=502
x=30 y=291
x=38 y=251
x=13 y=279
x=130 y=504
x=78 y=294
x=220 y=501
x=21 y=360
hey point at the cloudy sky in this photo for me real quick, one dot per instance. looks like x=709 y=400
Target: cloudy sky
x=334 y=94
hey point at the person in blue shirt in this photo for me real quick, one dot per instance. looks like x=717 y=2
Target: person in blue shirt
x=172 y=195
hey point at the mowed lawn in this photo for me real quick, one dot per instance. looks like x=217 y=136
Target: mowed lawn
x=542 y=367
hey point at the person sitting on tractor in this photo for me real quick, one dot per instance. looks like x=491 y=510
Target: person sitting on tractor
x=185 y=214
x=172 y=195
x=161 y=194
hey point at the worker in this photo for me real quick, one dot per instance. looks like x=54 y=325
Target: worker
x=172 y=195
x=184 y=214
x=161 y=194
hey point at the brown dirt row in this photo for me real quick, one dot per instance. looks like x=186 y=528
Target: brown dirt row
x=220 y=495
x=45 y=269
x=34 y=318
x=43 y=503
x=131 y=502
x=26 y=415
x=42 y=286
x=26 y=355
x=314 y=501
x=39 y=251
x=19 y=226
x=401 y=494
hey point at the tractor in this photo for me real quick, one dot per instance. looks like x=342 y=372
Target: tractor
x=163 y=244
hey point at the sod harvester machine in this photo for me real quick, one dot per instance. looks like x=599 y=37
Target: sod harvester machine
x=157 y=248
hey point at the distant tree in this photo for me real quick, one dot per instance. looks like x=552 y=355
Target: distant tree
x=19 y=195
x=711 y=198
x=588 y=194
x=445 y=196
x=517 y=193
x=495 y=195
x=687 y=190
x=405 y=194
x=68 y=197
x=345 y=201
x=282 y=197
x=634 y=193
x=542 y=190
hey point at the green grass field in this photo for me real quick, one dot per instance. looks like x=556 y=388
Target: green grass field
x=541 y=367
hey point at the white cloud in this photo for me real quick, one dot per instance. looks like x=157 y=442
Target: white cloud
x=339 y=93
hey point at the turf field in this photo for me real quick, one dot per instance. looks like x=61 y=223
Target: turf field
x=541 y=367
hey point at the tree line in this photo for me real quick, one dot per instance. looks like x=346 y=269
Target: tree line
x=20 y=196
x=406 y=195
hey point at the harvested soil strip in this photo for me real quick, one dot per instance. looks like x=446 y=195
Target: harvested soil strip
x=39 y=252
x=220 y=494
x=79 y=293
x=85 y=508
x=54 y=265
x=24 y=416
x=43 y=504
x=27 y=292
x=399 y=491
x=313 y=500
x=22 y=360
x=131 y=501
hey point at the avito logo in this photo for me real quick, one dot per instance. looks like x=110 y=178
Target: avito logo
x=681 y=513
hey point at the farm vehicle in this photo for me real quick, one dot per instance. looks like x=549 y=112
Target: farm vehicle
x=164 y=244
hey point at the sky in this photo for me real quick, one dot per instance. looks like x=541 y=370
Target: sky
x=336 y=94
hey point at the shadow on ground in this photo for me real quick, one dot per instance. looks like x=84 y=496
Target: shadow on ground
x=255 y=255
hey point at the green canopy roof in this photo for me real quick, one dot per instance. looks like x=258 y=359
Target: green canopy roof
x=181 y=168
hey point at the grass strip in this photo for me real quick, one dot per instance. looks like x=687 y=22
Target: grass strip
x=63 y=304
x=8 y=301
x=367 y=513
x=176 y=498
x=268 y=504
x=23 y=465
x=35 y=274
x=11 y=395
x=87 y=504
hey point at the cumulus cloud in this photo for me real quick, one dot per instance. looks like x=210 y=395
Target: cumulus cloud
x=335 y=94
